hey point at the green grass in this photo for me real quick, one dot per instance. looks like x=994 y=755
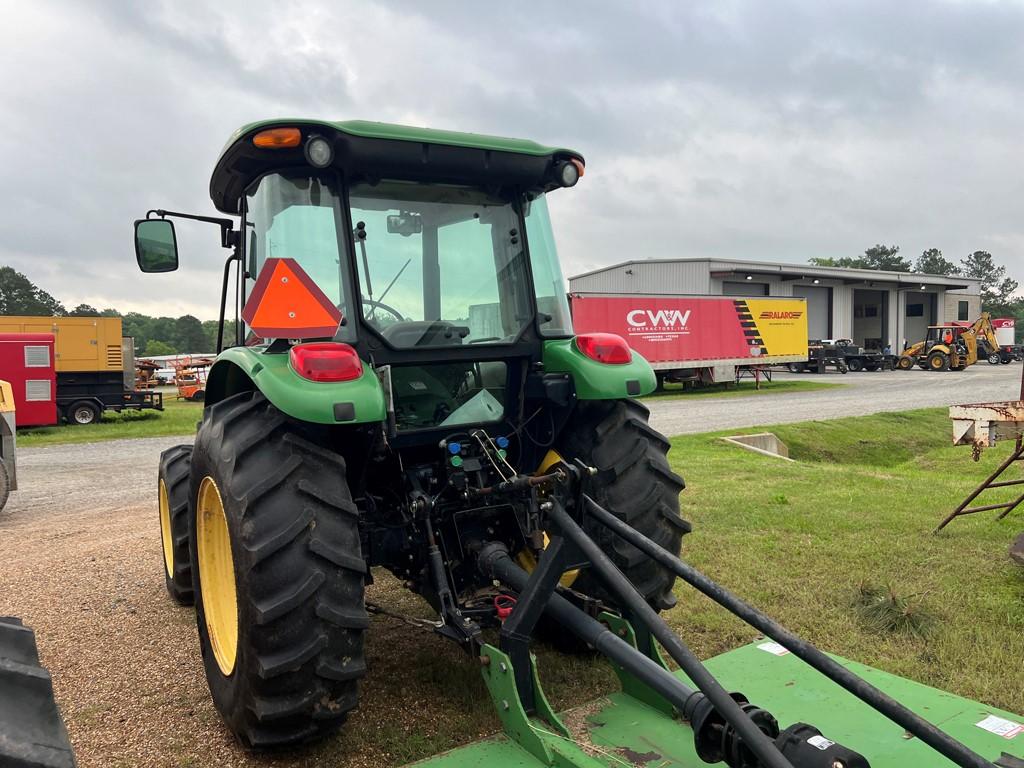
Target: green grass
x=855 y=514
x=179 y=417
x=743 y=389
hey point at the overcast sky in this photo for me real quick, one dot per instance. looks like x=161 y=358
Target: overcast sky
x=762 y=130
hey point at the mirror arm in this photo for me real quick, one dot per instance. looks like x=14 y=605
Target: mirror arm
x=228 y=237
x=235 y=256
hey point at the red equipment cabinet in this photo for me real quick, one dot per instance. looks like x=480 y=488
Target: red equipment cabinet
x=27 y=362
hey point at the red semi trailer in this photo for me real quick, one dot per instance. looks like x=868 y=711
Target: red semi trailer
x=27 y=363
x=704 y=339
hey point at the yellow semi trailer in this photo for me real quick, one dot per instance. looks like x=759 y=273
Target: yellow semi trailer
x=94 y=363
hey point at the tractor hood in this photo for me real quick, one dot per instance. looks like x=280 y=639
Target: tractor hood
x=381 y=150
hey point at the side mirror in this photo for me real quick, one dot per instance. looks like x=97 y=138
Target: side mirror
x=156 y=248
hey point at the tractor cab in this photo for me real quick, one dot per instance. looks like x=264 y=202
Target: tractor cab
x=947 y=335
x=422 y=258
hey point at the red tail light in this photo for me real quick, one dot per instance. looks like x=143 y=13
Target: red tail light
x=605 y=348
x=326 y=361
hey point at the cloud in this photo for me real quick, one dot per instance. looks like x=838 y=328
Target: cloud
x=735 y=129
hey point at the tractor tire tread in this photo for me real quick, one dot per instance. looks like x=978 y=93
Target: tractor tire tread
x=32 y=734
x=175 y=467
x=300 y=575
x=636 y=483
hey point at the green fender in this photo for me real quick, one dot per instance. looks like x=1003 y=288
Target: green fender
x=241 y=369
x=599 y=381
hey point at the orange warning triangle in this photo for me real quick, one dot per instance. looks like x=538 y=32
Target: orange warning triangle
x=286 y=304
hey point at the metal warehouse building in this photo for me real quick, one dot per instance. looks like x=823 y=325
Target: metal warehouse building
x=872 y=307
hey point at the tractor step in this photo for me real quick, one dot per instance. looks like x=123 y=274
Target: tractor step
x=619 y=731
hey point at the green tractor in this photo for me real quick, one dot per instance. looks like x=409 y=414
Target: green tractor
x=403 y=389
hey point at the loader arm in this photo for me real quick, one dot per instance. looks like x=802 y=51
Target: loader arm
x=914 y=349
x=983 y=329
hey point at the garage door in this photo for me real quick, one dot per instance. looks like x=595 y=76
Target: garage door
x=819 y=311
x=744 y=289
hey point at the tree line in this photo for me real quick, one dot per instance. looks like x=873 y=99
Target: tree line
x=179 y=335
x=998 y=290
x=153 y=335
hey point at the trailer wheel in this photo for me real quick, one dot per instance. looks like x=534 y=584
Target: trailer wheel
x=198 y=396
x=82 y=412
x=172 y=501
x=938 y=361
x=796 y=367
x=855 y=364
x=635 y=483
x=279 y=575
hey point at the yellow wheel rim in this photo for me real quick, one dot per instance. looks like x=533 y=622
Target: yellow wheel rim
x=525 y=557
x=165 y=529
x=217 y=575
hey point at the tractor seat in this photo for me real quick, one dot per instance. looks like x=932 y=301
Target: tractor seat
x=424 y=333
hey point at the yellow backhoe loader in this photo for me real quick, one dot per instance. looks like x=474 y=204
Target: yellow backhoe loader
x=950 y=347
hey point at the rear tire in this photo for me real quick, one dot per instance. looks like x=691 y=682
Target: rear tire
x=855 y=364
x=635 y=483
x=172 y=501
x=291 y=566
x=81 y=413
x=938 y=361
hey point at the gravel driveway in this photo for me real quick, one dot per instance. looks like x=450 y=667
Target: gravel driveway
x=81 y=562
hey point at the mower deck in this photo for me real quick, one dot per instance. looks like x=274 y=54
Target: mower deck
x=623 y=732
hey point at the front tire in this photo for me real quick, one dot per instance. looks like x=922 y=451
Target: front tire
x=279 y=575
x=5 y=484
x=172 y=500
x=636 y=484
x=905 y=363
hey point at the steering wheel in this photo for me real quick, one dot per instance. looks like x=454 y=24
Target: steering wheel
x=375 y=305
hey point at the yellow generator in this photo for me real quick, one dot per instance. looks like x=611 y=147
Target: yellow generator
x=8 y=466
x=94 y=363
x=81 y=343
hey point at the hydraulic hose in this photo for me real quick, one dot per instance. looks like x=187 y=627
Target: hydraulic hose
x=886 y=705
x=629 y=598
